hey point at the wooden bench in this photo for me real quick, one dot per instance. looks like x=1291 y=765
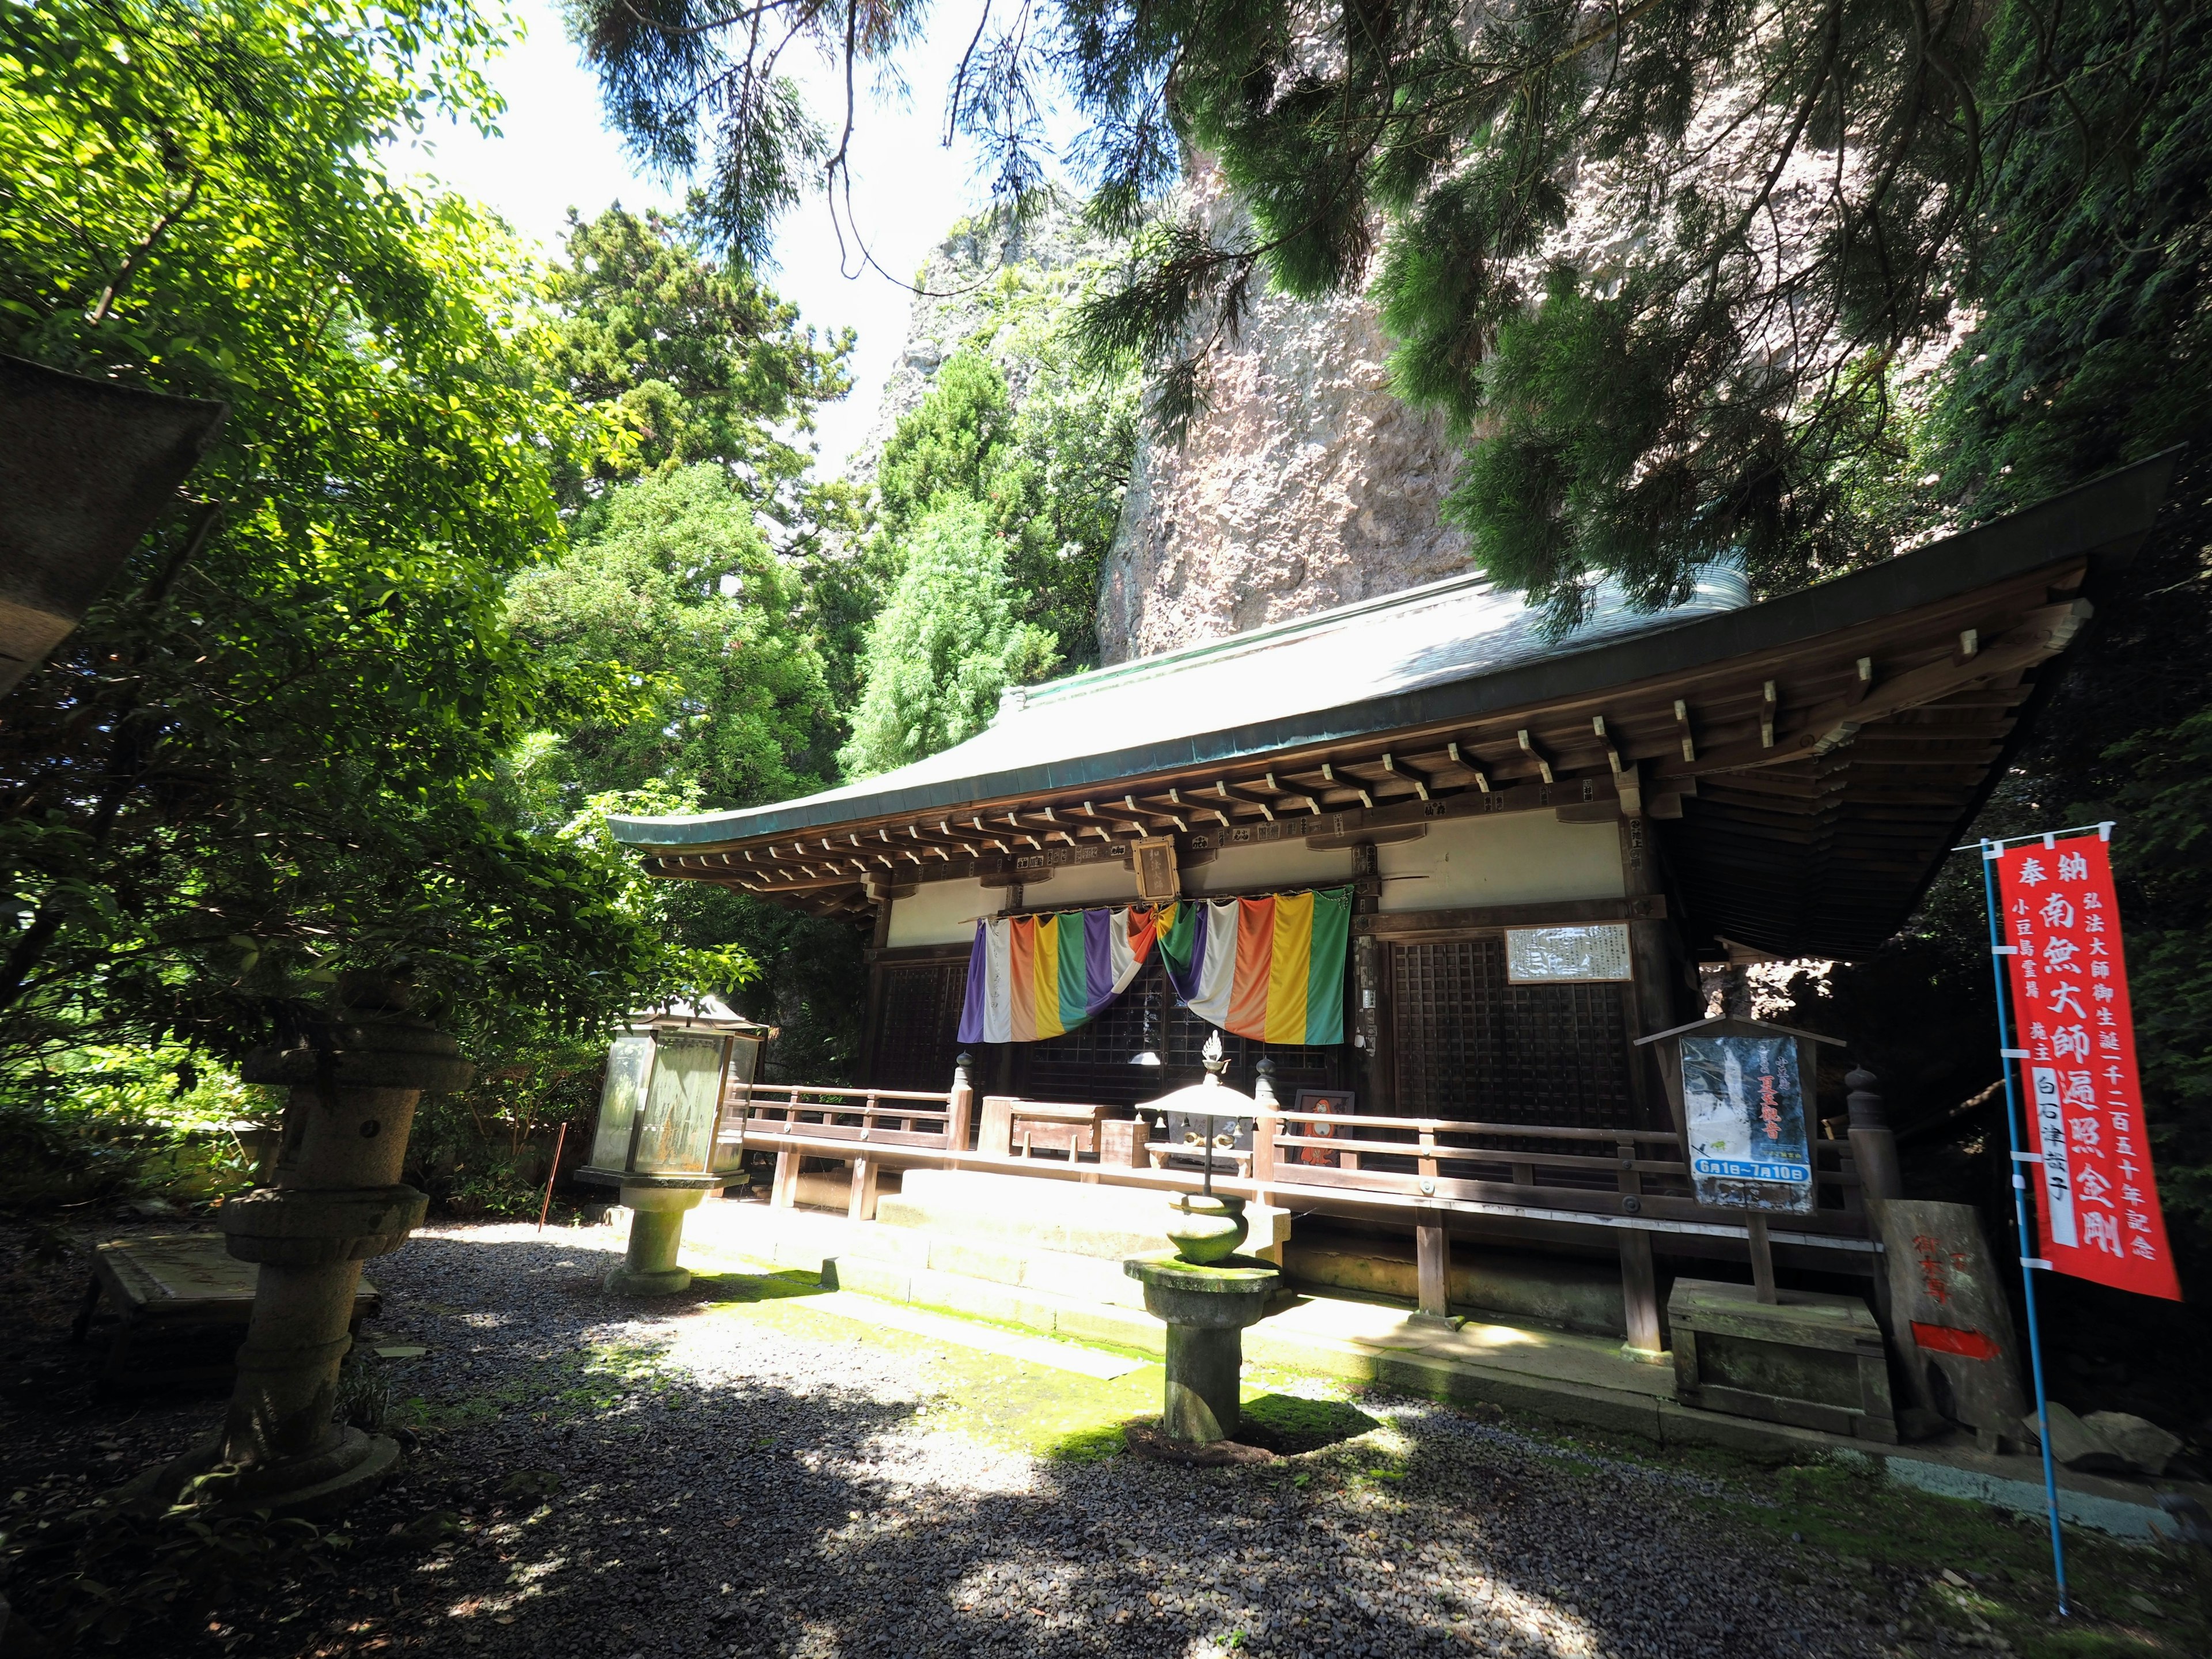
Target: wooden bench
x=1013 y=1127
x=172 y=1284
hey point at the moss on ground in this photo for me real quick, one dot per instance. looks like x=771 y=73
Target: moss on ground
x=1960 y=1574
x=1964 y=1574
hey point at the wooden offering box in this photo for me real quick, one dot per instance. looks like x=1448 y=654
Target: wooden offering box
x=1810 y=1359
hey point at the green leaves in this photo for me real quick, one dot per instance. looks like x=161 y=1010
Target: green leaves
x=944 y=647
x=288 y=738
x=669 y=581
x=688 y=361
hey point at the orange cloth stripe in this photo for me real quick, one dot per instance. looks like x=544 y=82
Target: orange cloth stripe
x=1255 y=961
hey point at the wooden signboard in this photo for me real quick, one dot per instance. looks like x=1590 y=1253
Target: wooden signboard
x=1744 y=1133
x=1742 y=1091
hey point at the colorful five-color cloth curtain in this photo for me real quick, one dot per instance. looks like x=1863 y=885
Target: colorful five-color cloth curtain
x=1270 y=968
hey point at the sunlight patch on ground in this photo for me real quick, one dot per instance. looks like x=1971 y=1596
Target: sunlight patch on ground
x=985 y=1339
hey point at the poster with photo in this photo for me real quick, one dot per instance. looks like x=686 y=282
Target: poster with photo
x=1744 y=1110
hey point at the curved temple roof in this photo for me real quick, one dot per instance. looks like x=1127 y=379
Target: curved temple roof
x=1806 y=761
x=1220 y=701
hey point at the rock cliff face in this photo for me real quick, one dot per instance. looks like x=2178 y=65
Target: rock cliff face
x=973 y=289
x=1305 y=484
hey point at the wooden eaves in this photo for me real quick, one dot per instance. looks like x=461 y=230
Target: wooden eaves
x=1809 y=759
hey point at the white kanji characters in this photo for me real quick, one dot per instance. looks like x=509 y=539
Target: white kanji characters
x=2143 y=1248
x=2030 y=872
x=2067 y=999
x=2092 y=900
x=2057 y=952
x=2086 y=1131
x=2080 y=1089
x=2102 y=992
x=2058 y=912
x=2101 y=970
x=2100 y=1232
x=2070 y=1043
x=2093 y=924
x=2091 y=1186
x=2073 y=866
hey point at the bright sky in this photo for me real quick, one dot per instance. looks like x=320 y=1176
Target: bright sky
x=555 y=152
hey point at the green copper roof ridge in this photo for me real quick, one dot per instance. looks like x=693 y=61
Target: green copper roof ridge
x=1182 y=657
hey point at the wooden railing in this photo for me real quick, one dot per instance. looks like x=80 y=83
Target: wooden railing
x=1625 y=1185
x=881 y=1117
x=1608 y=1177
x=1637 y=1172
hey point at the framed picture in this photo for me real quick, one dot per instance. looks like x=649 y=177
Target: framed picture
x=1154 y=859
x=1338 y=1102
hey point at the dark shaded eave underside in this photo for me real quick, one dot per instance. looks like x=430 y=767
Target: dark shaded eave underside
x=2103 y=520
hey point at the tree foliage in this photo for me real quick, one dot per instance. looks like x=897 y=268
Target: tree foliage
x=269 y=754
x=691 y=361
x=944 y=645
x=1049 y=476
x=1670 y=263
x=668 y=581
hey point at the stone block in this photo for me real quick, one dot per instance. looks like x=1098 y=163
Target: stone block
x=869 y=1278
x=1000 y=1263
x=2143 y=1446
x=1574 y=1294
x=1047 y=1213
x=1080 y=1279
x=1951 y=1324
x=2107 y=1443
x=1813 y=1360
x=1125 y=1327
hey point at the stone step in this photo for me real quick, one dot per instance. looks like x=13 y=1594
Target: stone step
x=807 y=1238
x=1065 y=1217
x=1565 y=1376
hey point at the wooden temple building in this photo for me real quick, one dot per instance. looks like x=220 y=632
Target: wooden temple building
x=1727 y=778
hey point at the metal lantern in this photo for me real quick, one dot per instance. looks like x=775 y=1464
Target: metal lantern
x=660 y=1138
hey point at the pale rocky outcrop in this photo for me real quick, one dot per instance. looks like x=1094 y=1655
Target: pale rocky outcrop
x=1305 y=484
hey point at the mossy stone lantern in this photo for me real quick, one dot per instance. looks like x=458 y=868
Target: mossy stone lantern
x=661 y=1135
x=1204 y=1292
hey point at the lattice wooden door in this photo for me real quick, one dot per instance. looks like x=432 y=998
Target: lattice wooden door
x=1465 y=1044
x=918 y=1029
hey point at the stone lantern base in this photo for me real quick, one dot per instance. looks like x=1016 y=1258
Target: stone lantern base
x=1206 y=1308
x=326 y=1482
x=657 y=1205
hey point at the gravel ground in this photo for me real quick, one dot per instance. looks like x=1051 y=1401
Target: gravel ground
x=694 y=1481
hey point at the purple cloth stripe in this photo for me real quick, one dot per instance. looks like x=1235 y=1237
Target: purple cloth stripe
x=971 y=1010
x=1097 y=960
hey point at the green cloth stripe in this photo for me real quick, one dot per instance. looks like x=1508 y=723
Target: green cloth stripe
x=1332 y=938
x=1074 y=971
x=1177 y=943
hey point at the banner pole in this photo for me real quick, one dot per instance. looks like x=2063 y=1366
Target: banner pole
x=2007 y=1054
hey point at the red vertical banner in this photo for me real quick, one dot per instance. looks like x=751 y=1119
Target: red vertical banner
x=2097 y=1198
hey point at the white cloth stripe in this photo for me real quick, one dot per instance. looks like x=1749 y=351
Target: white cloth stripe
x=998 y=984
x=1124 y=960
x=1217 y=973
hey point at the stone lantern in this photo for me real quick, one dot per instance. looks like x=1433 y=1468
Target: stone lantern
x=1204 y=1292
x=336 y=1199
x=660 y=1137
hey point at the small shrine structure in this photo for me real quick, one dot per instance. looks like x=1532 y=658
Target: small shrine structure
x=1537 y=841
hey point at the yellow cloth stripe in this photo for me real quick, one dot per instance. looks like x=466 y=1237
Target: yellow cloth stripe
x=1291 y=967
x=1045 y=977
